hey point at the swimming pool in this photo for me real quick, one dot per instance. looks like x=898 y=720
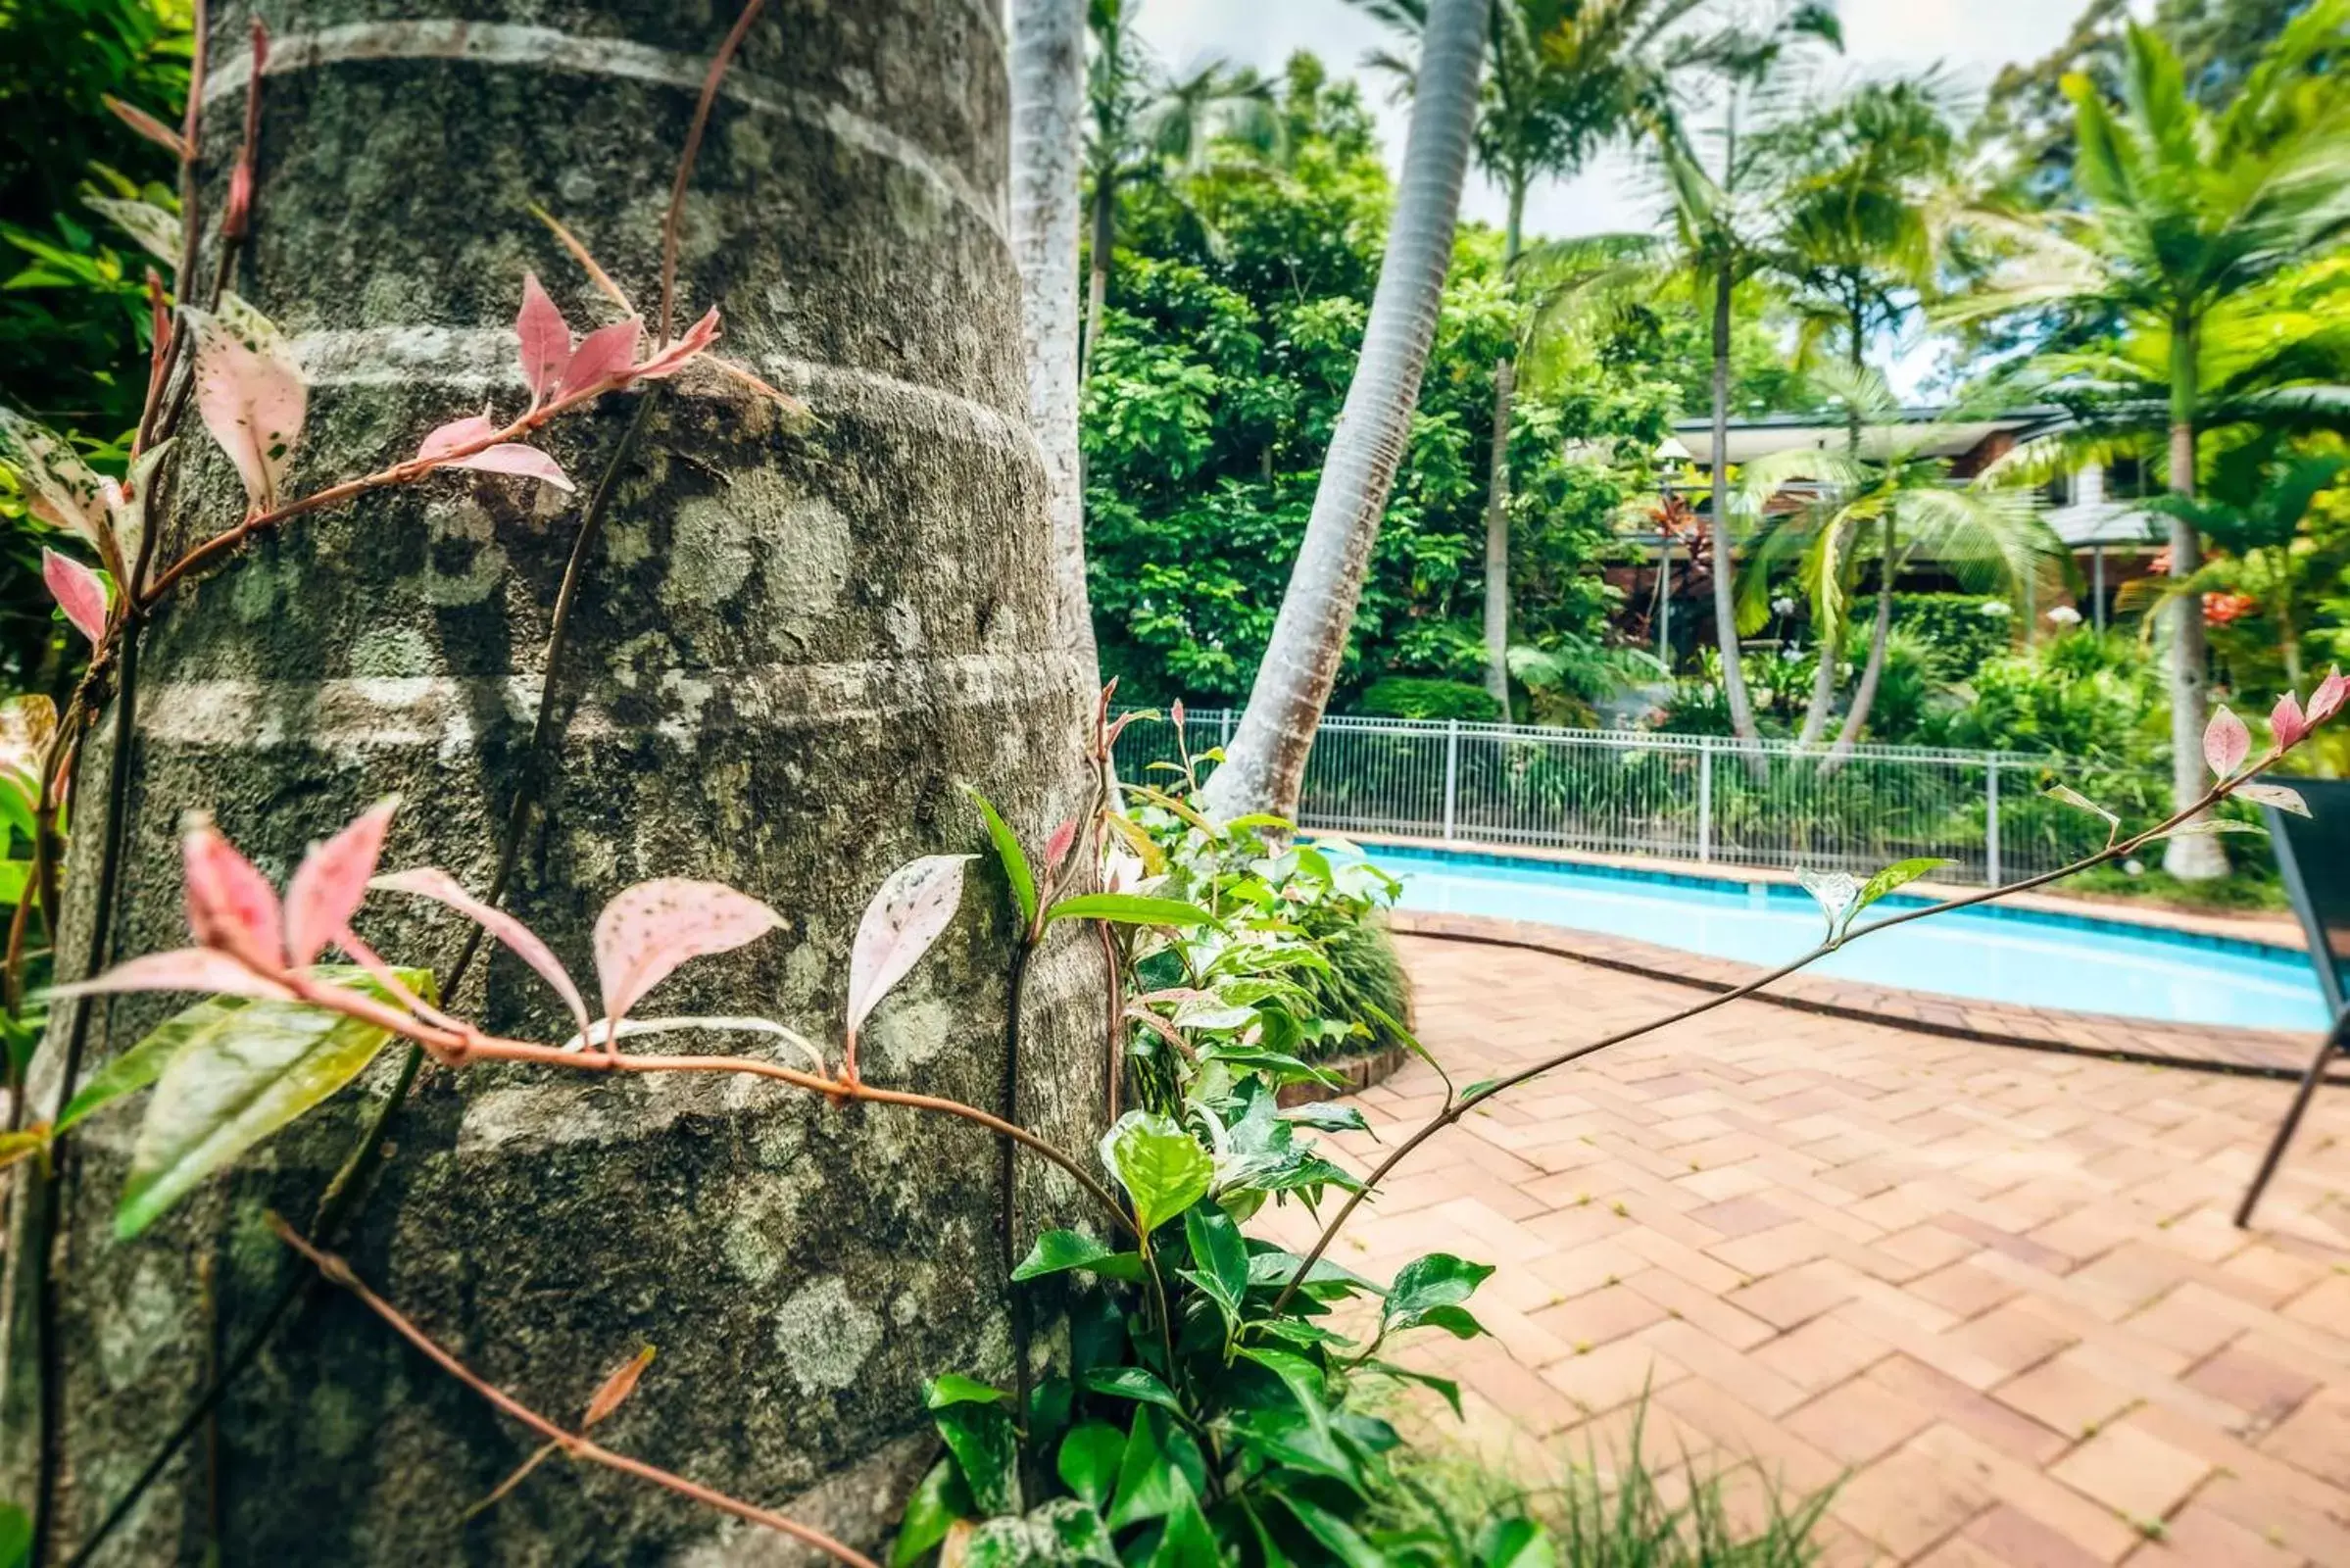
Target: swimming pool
x=1994 y=952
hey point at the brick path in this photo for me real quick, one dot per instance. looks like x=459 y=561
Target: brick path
x=1993 y=1289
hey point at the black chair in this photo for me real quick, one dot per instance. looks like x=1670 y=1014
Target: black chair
x=2314 y=854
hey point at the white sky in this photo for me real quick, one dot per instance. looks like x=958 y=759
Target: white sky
x=1970 y=38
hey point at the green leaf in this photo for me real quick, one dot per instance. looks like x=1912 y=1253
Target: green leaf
x=1129 y=909
x=1303 y=1380
x=227 y=1087
x=18 y=1145
x=1331 y=1531
x=1014 y=859
x=986 y=1451
x=1163 y=1167
x=1188 y=1540
x=1897 y=875
x=1328 y=1116
x=1130 y=1383
x=1049 y=1403
x=1089 y=1461
x=1218 y=1251
x=1430 y=1290
x=1061 y=1252
x=1059 y=1533
x=930 y=1513
x=1516 y=1542
x=2066 y=795
x=1160 y=1468
x=953 y=1388
x=1404 y=1374
x=15 y=1535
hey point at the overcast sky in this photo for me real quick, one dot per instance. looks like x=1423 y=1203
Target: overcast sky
x=1971 y=40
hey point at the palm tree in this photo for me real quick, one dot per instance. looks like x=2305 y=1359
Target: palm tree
x=1047 y=150
x=1897 y=508
x=1851 y=239
x=1141 y=123
x=2254 y=512
x=1266 y=765
x=1561 y=77
x=2184 y=211
x=1723 y=243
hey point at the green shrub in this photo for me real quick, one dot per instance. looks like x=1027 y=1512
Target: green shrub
x=1365 y=982
x=1952 y=630
x=1417 y=697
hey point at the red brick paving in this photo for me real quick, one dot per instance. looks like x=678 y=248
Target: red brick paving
x=1993 y=1291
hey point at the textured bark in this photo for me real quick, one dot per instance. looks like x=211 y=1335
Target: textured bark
x=1268 y=765
x=1048 y=146
x=1497 y=540
x=1725 y=616
x=791 y=647
x=2193 y=857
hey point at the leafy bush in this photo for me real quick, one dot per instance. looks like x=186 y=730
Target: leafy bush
x=1954 y=630
x=1416 y=697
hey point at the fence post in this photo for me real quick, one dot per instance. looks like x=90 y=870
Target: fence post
x=1451 y=773
x=1224 y=718
x=1991 y=824
x=1705 y=800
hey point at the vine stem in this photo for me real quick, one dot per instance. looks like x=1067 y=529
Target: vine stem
x=1457 y=1107
x=335 y=1269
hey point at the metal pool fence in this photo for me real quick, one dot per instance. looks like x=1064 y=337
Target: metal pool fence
x=1681 y=797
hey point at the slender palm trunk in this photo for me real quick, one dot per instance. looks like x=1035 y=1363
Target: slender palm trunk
x=1267 y=767
x=1864 y=695
x=1726 y=619
x=1096 y=288
x=1496 y=494
x=1823 y=680
x=1048 y=144
x=2190 y=858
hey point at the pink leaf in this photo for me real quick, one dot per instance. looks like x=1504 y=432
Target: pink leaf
x=61 y=489
x=327 y=887
x=670 y=360
x=79 y=592
x=146 y=124
x=231 y=906
x=605 y=353
x=458 y=433
x=1057 y=846
x=908 y=912
x=181 y=969
x=2326 y=699
x=2287 y=722
x=511 y=457
x=546 y=339
x=250 y=395
x=651 y=928
x=432 y=882
x=2226 y=743
x=2276 y=795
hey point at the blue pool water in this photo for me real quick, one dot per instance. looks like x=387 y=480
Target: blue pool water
x=1994 y=954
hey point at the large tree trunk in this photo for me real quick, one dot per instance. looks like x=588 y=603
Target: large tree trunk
x=1268 y=765
x=1864 y=695
x=1726 y=618
x=1497 y=542
x=2193 y=857
x=1048 y=145
x=792 y=647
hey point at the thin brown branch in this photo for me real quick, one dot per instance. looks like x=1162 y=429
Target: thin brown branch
x=191 y=126
x=571 y=1442
x=675 y=217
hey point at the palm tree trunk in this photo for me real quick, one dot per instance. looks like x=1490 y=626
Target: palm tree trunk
x=1096 y=288
x=1048 y=144
x=2192 y=859
x=1863 y=695
x=731 y=701
x=1496 y=493
x=1823 y=697
x=1267 y=767
x=1726 y=620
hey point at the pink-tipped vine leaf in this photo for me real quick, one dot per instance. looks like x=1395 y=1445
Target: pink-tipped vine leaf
x=79 y=592
x=180 y=969
x=1057 y=846
x=2226 y=742
x=645 y=933
x=325 y=890
x=61 y=490
x=908 y=912
x=250 y=394
x=458 y=433
x=605 y=353
x=146 y=124
x=617 y=1388
x=231 y=906
x=157 y=230
x=546 y=340
x=511 y=457
x=670 y=360
x=2276 y=795
x=2327 y=701
x=2287 y=722
x=126 y=505
x=432 y=882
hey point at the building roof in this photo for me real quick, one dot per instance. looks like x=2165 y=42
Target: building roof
x=1954 y=437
